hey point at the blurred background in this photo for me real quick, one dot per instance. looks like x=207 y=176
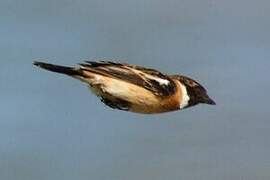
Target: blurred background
x=52 y=128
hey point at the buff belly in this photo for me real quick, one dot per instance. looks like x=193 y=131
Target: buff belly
x=139 y=99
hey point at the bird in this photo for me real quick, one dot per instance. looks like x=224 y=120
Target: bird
x=135 y=88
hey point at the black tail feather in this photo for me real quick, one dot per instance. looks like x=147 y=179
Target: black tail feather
x=59 y=69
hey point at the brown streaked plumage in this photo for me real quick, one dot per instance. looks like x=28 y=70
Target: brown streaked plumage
x=135 y=88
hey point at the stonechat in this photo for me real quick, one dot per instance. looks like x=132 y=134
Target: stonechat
x=134 y=88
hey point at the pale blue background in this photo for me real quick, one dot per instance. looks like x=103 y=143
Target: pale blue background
x=52 y=128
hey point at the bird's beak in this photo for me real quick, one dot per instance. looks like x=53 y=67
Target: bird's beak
x=211 y=102
x=208 y=100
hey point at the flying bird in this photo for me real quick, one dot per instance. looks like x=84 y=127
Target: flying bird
x=134 y=88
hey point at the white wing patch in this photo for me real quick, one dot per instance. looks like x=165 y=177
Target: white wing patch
x=159 y=80
x=185 y=96
x=163 y=81
x=145 y=76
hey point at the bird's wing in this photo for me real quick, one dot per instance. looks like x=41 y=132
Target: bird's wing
x=151 y=79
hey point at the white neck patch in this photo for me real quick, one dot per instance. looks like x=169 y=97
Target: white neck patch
x=185 y=97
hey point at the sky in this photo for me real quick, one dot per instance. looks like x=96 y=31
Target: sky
x=52 y=127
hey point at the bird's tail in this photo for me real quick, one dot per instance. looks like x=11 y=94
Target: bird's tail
x=71 y=71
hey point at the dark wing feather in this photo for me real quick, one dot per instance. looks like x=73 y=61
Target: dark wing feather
x=134 y=74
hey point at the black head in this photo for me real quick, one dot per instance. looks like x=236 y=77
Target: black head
x=196 y=92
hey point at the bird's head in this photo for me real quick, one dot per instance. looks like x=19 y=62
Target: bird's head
x=194 y=92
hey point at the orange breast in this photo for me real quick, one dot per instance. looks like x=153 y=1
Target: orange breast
x=158 y=104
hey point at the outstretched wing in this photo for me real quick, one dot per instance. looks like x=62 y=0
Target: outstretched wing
x=153 y=80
